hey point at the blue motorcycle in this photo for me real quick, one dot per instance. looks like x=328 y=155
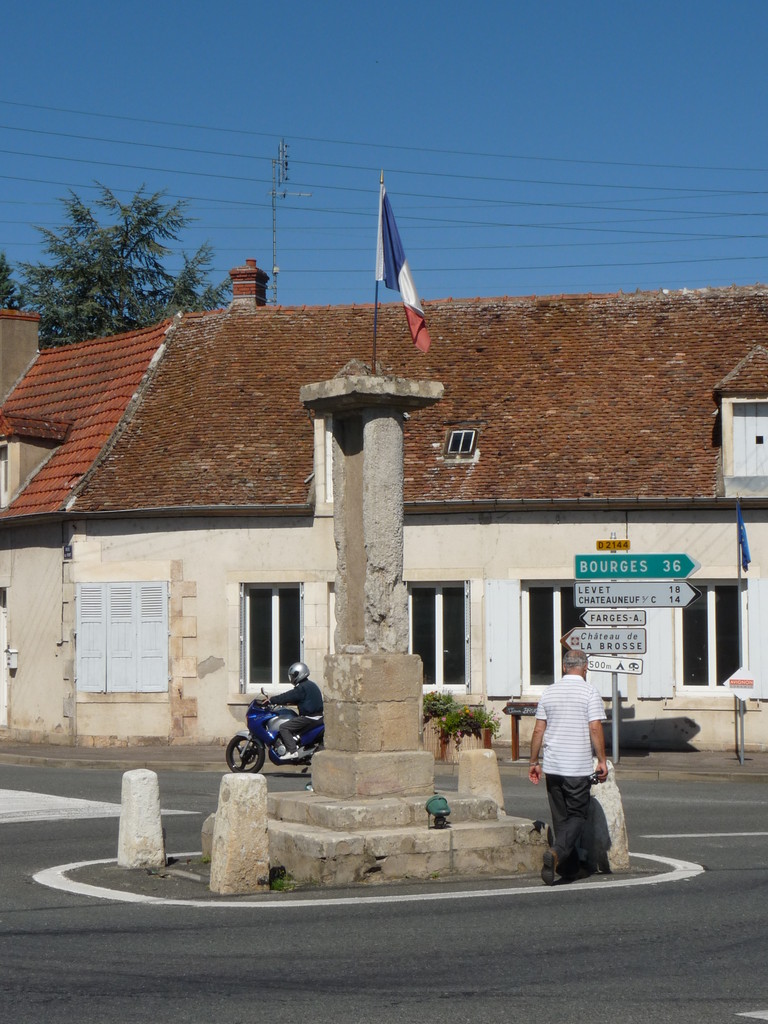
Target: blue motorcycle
x=247 y=750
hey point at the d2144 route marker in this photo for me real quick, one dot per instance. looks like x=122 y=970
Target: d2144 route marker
x=634 y=595
x=676 y=566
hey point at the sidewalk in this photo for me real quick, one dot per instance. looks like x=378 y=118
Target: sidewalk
x=715 y=766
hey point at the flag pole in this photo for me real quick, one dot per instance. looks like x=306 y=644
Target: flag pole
x=376 y=293
x=739 y=703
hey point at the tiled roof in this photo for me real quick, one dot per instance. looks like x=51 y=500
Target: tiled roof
x=600 y=396
x=750 y=377
x=75 y=394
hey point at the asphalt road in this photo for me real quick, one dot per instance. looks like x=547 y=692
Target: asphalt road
x=692 y=951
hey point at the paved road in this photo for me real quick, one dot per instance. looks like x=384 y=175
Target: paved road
x=685 y=952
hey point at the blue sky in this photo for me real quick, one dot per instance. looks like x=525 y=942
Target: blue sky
x=538 y=147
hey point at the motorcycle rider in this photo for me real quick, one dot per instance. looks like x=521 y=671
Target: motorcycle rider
x=306 y=695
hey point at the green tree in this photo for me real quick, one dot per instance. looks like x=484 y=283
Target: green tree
x=108 y=277
x=11 y=295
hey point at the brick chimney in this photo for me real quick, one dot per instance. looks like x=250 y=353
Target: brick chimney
x=249 y=286
x=18 y=346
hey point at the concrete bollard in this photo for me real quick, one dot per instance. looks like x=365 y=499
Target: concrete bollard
x=140 y=841
x=240 y=849
x=604 y=839
x=479 y=776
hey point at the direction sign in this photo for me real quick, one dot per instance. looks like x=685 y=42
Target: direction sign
x=599 y=663
x=605 y=641
x=612 y=617
x=634 y=567
x=612 y=545
x=742 y=684
x=634 y=595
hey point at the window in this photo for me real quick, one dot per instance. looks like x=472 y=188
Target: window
x=709 y=637
x=461 y=444
x=750 y=429
x=440 y=634
x=272 y=637
x=122 y=637
x=550 y=614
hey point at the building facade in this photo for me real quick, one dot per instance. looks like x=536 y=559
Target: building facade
x=166 y=536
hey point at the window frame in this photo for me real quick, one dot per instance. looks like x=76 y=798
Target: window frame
x=712 y=686
x=278 y=681
x=462 y=454
x=556 y=586
x=439 y=684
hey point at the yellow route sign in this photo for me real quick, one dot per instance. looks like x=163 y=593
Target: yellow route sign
x=612 y=545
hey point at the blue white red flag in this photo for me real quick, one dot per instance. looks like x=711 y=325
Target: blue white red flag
x=392 y=268
x=746 y=558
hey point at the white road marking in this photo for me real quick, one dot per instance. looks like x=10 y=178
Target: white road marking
x=757 y=1015
x=56 y=878
x=704 y=835
x=21 y=806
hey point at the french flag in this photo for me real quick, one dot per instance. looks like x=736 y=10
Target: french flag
x=392 y=268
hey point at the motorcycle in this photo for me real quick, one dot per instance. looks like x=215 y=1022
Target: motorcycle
x=248 y=749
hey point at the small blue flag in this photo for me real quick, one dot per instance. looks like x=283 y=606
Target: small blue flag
x=746 y=558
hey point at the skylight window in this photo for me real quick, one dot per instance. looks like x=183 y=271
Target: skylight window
x=461 y=444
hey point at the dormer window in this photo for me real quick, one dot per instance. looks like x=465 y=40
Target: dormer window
x=750 y=427
x=461 y=444
x=743 y=399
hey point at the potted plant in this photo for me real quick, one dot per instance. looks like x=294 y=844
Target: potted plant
x=454 y=720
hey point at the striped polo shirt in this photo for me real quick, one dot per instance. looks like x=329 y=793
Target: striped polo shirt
x=568 y=707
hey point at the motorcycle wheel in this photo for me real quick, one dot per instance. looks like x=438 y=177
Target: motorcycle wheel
x=245 y=755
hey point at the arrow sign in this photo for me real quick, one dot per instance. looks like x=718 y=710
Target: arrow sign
x=634 y=595
x=612 y=617
x=597 y=663
x=634 y=567
x=605 y=641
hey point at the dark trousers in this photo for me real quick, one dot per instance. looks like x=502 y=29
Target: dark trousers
x=568 y=797
x=294 y=725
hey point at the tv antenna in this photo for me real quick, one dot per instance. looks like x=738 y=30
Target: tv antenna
x=279 y=178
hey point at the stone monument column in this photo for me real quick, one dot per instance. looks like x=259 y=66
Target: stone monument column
x=372 y=685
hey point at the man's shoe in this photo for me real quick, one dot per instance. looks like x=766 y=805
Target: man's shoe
x=290 y=755
x=549 y=867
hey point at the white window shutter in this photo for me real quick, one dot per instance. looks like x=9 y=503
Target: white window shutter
x=152 y=600
x=757 y=609
x=658 y=678
x=503 y=662
x=91 y=637
x=122 y=638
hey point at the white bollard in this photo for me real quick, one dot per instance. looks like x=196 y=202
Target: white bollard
x=140 y=841
x=604 y=839
x=240 y=849
x=479 y=776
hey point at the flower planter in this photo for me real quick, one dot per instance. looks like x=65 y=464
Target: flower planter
x=444 y=748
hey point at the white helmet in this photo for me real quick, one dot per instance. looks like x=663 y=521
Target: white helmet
x=297 y=672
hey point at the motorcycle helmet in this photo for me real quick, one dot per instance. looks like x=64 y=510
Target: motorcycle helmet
x=297 y=672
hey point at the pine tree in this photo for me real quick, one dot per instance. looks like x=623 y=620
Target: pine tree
x=108 y=277
x=11 y=295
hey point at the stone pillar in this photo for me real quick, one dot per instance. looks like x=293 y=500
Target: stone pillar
x=373 y=687
x=140 y=840
x=479 y=775
x=240 y=845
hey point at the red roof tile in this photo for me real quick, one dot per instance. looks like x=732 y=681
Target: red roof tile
x=573 y=397
x=86 y=386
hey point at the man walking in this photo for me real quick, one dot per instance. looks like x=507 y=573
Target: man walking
x=569 y=721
